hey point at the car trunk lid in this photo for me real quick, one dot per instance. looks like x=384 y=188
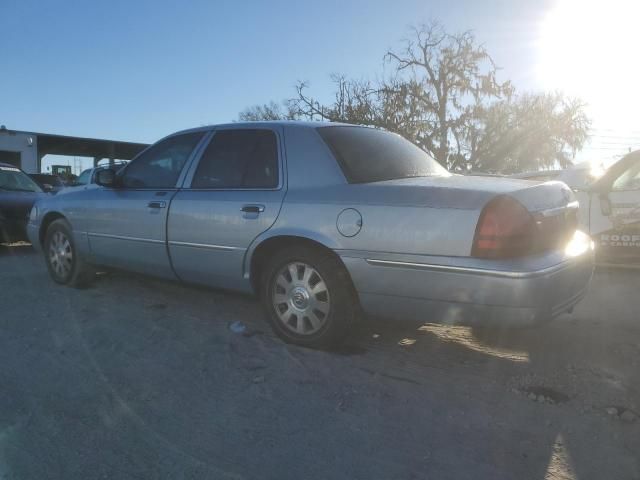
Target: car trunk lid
x=471 y=192
x=551 y=205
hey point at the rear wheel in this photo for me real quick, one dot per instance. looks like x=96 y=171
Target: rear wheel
x=64 y=263
x=309 y=297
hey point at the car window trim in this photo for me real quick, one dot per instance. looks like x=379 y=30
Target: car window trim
x=187 y=164
x=188 y=180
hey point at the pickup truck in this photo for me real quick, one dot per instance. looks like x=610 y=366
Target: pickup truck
x=610 y=213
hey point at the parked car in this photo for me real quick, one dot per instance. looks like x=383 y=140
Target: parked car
x=578 y=177
x=47 y=182
x=18 y=193
x=538 y=175
x=610 y=212
x=323 y=222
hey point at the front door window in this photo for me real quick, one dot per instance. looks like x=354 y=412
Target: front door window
x=160 y=165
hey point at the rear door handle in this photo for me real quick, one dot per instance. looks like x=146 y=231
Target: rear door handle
x=252 y=208
x=157 y=204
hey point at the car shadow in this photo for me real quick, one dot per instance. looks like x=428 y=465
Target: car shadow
x=564 y=376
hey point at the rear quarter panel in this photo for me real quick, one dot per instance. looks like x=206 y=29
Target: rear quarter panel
x=392 y=220
x=404 y=229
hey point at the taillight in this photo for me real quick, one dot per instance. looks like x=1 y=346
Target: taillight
x=505 y=229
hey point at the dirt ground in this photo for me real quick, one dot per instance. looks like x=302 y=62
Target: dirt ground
x=137 y=378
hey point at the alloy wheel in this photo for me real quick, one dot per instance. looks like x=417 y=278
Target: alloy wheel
x=60 y=254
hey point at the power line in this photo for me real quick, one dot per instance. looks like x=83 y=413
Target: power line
x=615 y=130
x=613 y=137
x=616 y=144
x=627 y=149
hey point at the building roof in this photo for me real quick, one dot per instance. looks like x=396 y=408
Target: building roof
x=49 y=143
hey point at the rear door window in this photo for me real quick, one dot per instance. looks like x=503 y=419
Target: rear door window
x=242 y=158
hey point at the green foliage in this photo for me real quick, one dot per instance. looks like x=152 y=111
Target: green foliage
x=528 y=132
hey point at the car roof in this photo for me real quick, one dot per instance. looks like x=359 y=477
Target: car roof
x=8 y=165
x=263 y=123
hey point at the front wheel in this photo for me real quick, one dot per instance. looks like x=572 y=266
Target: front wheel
x=64 y=263
x=309 y=298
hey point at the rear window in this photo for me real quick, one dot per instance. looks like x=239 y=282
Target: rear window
x=370 y=155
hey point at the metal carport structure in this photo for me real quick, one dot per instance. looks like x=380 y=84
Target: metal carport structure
x=50 y=144
x=29 y=148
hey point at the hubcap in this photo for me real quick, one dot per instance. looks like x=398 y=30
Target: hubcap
x=60 y=254
x=300 y=298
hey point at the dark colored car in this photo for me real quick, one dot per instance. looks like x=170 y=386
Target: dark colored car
x=18 y=193
x=47 y=182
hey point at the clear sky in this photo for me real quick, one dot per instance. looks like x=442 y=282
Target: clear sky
x=138 y=70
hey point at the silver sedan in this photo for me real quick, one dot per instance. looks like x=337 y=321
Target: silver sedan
x=324 y=222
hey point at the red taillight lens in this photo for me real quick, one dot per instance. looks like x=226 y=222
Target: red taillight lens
x=505 y=229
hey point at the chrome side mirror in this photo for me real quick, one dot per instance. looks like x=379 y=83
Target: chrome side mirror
x=106 y=178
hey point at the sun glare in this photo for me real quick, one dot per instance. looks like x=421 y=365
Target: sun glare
x=588 y=48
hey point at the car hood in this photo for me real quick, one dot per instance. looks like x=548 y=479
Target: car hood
x=466 y=192
x=18 y=204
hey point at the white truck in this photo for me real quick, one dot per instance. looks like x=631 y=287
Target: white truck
x=610 y=212
x=609 y=205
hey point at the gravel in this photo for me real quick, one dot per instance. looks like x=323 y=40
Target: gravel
x=140 y=378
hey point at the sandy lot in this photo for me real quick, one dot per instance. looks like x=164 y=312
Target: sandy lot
x=138 y=378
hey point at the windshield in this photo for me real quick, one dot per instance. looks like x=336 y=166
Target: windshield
x=370 y=155
x=15 y=180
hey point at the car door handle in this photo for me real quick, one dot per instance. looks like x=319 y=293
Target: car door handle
x=157 y=204
x=252 y=208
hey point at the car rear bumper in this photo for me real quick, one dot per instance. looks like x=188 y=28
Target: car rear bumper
x=33 y=233
x=461 y=294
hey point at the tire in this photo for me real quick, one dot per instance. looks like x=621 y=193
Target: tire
x=64 y=263
x=309 y=298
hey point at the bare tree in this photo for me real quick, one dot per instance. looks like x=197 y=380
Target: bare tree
x=355 y=102
x=456 y=76
x=269 y=111
x=444 y=96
